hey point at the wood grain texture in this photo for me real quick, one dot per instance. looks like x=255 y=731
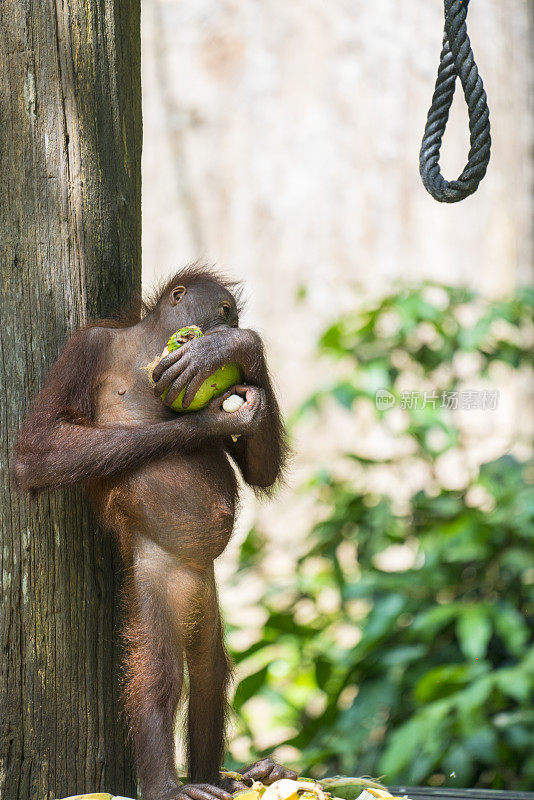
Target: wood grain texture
x=70 y=144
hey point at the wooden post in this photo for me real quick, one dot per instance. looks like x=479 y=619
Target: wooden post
x=70 y=249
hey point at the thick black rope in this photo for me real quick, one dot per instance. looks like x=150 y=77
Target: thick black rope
x=456 y=60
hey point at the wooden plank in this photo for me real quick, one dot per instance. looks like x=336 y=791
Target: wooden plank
x=432 y=793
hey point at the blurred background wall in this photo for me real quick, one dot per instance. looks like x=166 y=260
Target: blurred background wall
x=281 y=143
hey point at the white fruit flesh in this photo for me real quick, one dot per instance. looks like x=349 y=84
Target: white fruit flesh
x=232 y=403
x=286 y=788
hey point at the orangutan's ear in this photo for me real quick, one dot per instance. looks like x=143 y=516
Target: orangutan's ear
x=176 y=295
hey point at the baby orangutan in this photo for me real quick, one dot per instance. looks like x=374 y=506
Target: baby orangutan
x=164 y=484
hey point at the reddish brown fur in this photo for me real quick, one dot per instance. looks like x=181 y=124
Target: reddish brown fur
x=164 y=484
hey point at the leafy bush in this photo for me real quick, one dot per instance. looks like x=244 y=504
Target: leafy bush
x=404 y=646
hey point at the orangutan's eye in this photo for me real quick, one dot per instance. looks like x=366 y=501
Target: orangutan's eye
x=229 y=313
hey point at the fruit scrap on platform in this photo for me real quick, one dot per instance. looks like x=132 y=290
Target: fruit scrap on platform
x=303 y=789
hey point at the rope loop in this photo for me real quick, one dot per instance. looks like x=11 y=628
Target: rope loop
x=456 y=60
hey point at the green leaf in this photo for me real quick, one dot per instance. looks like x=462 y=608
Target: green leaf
x=511 y=627
x=474 y=696
x=482 y=745
x=357 y=723
x=422 y=736
x=383 y=616
x=442 y=681
x=430 y=621
x=459 y=766
x=402 y=748
x=516 y=683
x=474 y=631
x=241 y=655
x=403 y=655
x=249 y=686
x=252 y=548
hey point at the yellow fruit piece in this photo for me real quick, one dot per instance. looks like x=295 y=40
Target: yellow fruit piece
x=246 y=794
x=286 y=789
x=97 y=796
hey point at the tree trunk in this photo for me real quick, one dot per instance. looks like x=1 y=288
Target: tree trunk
x=70 y=218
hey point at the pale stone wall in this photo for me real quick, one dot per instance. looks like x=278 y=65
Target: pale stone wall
x=281 y=143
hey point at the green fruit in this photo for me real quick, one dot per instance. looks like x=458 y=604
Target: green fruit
x=215 y=385
x=182 y=336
